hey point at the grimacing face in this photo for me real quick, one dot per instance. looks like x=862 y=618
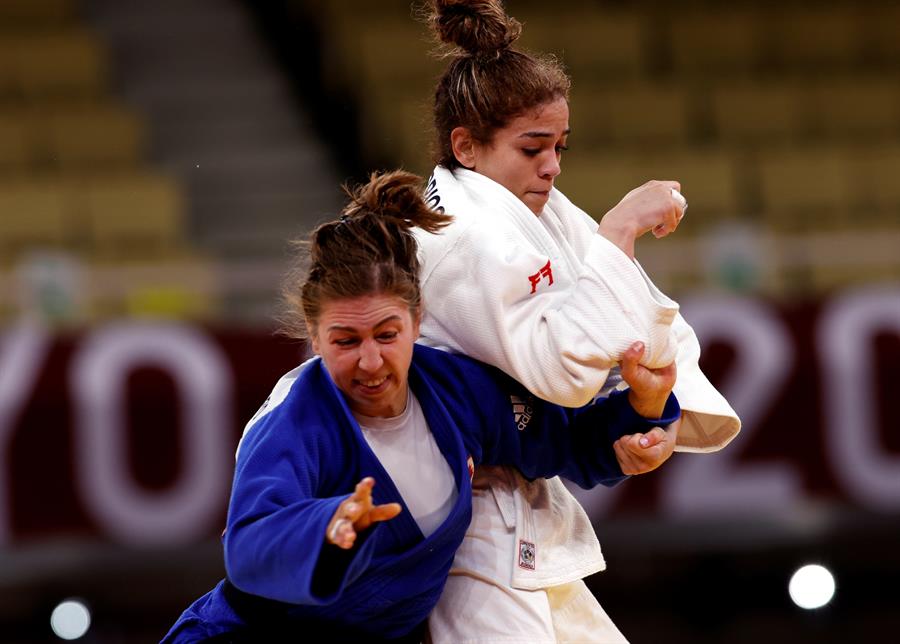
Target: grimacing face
x=366 y=344
x=524 y=156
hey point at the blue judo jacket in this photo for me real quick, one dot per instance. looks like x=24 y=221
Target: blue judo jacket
x=303 y=457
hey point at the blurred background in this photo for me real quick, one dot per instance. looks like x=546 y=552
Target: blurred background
x=156 y=156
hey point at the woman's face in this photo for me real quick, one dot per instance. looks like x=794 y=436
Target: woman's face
x=366 y=344
x=524 y=156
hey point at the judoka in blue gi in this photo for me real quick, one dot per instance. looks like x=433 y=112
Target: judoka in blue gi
x=352 y=489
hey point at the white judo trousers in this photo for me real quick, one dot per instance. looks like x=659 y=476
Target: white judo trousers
x=553 y=304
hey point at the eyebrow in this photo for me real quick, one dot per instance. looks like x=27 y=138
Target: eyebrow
x=543 y=135
x=341 y=327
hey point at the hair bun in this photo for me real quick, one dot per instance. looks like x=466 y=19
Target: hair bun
x=476 y=26
x=394 y=197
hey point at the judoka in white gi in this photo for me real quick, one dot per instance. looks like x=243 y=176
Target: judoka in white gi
x=522 y=280
x=313 y=551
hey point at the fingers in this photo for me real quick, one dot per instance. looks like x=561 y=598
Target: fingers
x=385 y=512
x=356 y=513
x=642 y=453
x=342 y=533
x=654 y=437
x=676 y=205
x=631 y=358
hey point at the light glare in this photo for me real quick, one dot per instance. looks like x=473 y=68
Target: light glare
x=70 y=619
x=811 y=586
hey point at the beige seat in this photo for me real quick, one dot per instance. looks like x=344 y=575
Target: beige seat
x=16 y=144
x=814 y=37
x=397 y=129
x=708 y=179
x=133 y=215
x=34 y=213
x=35 y=13
x=69 y=63
x=716 y=40
x=880 y=22
x=591 y=41
x=858 y=107
x=630 y=114
x=874 y=171
x=760 y=112
x=364 y=53
x=805 y=189
x=84 y=138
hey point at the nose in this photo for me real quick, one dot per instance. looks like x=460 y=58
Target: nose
x=370 y=356
x=550 y=167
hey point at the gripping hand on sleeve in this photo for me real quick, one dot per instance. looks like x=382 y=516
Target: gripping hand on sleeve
x=356 y=513
x=649 y=390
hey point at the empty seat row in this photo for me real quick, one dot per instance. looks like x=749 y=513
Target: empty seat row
x=70 y=138
x=35 y=14
x=133 y=215
x=64 y=63
x=806 y=188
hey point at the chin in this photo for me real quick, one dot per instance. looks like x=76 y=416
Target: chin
x=536 y=203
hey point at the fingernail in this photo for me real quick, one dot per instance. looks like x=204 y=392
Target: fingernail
x=644 y=441
x=638 y=346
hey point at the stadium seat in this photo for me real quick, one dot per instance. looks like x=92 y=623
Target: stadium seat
x=810 y=38
x=591 y=42
x=16 y=145
x=805 y=189
x=134 y=216
x=35 y=214
x=715 y=40
x=760 y=112
x=61 y=64
x=630 y=114
x=33 y=14
x=858 y=107
x=708 y=178
x=89 y=137
x=873 y=175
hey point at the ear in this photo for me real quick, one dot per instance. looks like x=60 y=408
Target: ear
x=463 y=146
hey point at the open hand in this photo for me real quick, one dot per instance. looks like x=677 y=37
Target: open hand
x=356 y=513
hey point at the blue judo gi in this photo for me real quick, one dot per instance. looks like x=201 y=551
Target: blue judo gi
x=305 y=455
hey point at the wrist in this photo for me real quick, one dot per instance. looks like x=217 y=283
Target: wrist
x=622 y=235
x=649 y=407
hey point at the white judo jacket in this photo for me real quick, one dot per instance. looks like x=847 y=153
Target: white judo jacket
x=555 y=305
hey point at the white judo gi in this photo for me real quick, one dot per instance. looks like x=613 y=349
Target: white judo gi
x=555 y=305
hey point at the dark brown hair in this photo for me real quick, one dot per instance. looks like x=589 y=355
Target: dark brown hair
x=369 y=250
x=487 y=82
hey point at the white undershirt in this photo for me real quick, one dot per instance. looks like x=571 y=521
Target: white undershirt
x=409 y=453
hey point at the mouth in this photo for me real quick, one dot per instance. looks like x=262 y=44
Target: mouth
x=373 y=386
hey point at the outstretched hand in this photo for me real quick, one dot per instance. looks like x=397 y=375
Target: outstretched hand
x=356 y=513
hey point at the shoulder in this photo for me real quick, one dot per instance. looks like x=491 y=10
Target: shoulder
x=458 y=376
x=302 y=407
